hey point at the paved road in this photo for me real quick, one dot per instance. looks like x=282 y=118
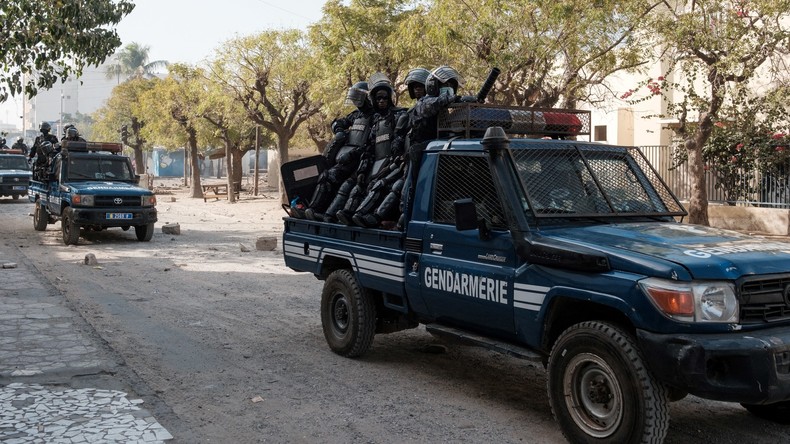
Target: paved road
x=59 y=382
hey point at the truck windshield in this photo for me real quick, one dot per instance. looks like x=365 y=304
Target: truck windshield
x=110 y=168
x=13 y=163
x=575 y=179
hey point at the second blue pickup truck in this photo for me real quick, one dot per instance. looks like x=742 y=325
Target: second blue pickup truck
x=90 y=186
x=571 y=254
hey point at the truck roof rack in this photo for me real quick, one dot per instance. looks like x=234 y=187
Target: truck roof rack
x=84 y=147
x=11 y=151
x=472 y=119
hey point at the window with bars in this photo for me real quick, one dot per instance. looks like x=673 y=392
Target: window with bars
x=464 y=176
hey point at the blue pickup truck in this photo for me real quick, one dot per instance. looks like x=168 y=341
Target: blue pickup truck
x=14 y=173
x=572 y=254
x=90 y=186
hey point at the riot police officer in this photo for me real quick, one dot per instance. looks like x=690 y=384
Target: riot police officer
x=343 y=153
x=70 y=133
x=20 y=145
x=384 y=194
x=45 y=136
x=379 y=157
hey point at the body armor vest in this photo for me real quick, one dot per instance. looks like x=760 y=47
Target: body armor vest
x=385 y=131
x=359 y=132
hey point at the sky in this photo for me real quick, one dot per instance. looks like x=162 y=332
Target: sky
x=189 y=31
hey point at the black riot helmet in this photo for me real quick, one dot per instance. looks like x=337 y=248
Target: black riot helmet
x=415 y=77
x=358 y=95
x=45 y=127
x=380 y=82
x=72 y=133
x=441 y=77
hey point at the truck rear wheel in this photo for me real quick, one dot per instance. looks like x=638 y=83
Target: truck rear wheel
x=144 y=232
x=600 y=389
x=40 y=217
x=348 y=315
x=778 y=412
x=70 y=230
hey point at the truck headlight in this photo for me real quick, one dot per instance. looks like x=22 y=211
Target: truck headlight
x=148 y=201
x=85 y=200
x=696 y=301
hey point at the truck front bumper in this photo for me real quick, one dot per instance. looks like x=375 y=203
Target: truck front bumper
x=749 y=367
x=101 y=216
x=13 y=189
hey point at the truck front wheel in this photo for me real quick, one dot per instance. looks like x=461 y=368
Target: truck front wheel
x=600 y=390
x=144 y=233
x=71 y=231
x=348 y=315
x=40 y=217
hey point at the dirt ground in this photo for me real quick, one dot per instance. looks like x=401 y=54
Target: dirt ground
x=228 y=347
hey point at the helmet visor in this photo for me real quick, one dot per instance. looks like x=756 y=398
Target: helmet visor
x=356 y=97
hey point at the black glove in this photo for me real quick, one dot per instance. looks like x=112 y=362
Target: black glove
x=468 y=99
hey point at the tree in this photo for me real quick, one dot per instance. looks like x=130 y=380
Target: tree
x=172 y=109
x=550 y=52
x=714 y=48
x=132 y=61
x=226 y=119
x=358 y=38
x=270 y=75
x=43 y=42
x=122 y=110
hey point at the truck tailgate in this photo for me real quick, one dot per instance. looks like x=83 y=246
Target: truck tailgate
x=375 y=256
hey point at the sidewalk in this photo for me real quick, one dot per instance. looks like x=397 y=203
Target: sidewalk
x=43 y=345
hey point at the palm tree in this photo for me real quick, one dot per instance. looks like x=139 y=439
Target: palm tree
x=132 y=62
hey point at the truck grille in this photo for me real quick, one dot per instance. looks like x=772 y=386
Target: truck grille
x=124 y=201
x=765 y=300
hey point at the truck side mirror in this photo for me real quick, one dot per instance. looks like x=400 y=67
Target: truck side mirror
x=466 y=217
x=137 y=179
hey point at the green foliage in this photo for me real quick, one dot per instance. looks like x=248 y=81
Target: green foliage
x=550 y=51
x=43 y=42
x=272 y=76
x=121 y=109
x=171 y=109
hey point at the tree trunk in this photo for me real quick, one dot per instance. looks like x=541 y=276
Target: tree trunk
x=139 y=162
x=274 y=170
x=231 y=173
x=195 y=188
x=698 y=200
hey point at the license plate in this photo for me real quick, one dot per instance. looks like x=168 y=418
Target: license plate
x=19 y=187
x=119 y=215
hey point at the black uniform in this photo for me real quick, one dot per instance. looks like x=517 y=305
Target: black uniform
x=21 y=145
x=343 y=154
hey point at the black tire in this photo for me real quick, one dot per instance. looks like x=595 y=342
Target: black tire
x=144 y=232
x=70 y=230
x=600 y=390
x=40 y=217
x=348 y=315
x=778 y=412
x=125 y=228
x=15 y=196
